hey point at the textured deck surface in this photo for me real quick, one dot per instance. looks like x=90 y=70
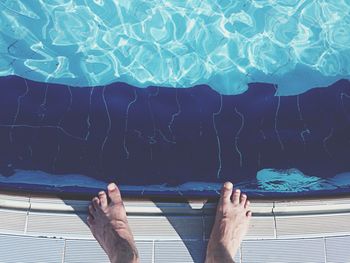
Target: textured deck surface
x=39 y=229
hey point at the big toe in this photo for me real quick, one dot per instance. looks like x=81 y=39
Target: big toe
x=226 y=192
x=114 y=193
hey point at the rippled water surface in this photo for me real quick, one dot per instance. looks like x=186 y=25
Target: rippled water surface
x=296 y=44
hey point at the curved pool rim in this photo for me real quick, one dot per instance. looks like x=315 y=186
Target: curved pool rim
x=85 y=192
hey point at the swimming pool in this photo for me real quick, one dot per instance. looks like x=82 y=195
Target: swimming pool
x=174 y=98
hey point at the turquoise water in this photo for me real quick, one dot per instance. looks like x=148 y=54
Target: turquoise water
x=267 y=180
x=226 y=44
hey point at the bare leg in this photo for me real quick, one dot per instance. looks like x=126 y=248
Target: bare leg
x=109 y=225
x=231 y=225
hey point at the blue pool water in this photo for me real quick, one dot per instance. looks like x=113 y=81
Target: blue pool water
x=225 y=44
x=175 y=96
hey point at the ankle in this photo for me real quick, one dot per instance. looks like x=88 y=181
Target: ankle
x=218 y=253
x=123 y=259
x=125 y=252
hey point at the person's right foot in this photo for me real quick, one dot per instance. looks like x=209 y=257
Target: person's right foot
x=231 y=225
x=109 y=225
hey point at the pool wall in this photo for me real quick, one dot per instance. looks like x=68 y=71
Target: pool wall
x=177 y=140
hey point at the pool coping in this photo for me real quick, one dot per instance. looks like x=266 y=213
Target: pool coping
x=200 y=206
x=285 y=220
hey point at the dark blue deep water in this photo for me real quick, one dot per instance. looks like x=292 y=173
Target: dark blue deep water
x=181 y=141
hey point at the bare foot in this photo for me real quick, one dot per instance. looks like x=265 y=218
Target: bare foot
x=231 y=225
x=109 y=225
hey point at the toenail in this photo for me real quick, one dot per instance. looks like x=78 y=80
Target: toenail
x=111 y=186
x=237 y=191
x=101 y=193
x=228 y=185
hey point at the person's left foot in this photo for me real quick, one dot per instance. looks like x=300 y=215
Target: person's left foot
x=109 y=225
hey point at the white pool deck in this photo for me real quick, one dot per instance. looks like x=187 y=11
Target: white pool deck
x=37 y=228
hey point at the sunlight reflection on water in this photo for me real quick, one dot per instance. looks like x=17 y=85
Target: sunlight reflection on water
x=225 y=44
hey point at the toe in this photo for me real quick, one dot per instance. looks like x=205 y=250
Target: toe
x=236 y=196
x=114 y=193
x=243 y=199
x=247 y=204
x=90 y=220
x=92 y=210
x=96 y=202
x=249 y=214
x=226 y=192
x=103 y=199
